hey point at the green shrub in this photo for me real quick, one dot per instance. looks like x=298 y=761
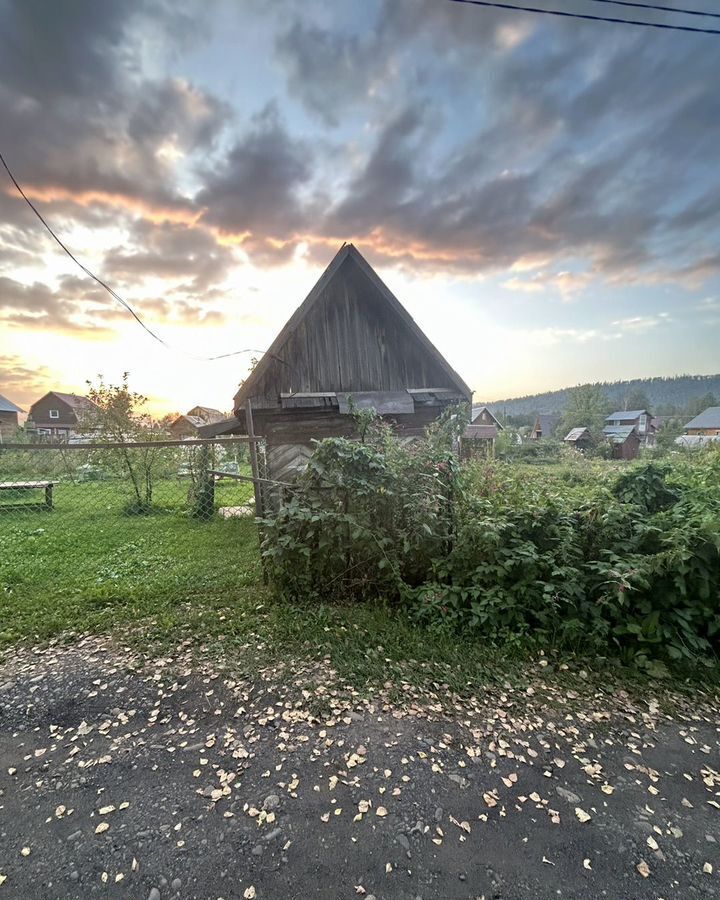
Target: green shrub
x=596 y=557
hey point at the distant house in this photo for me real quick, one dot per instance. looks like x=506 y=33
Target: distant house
x=481 y=415
x=624 y=439
x=207 y=414
x=640 y=419
x=188 y=426
x=479 y=436
x=350 y=345
x=707 y=423
x=545 y=426
x=579 y=438
x=9 y=423
x=58 y=416
x=703 y=429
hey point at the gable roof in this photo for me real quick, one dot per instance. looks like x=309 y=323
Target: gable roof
x=273 y=356
x=74 y=401
x=477 y=411
x=576 y=433
x=547 y=423
x=708 y=418
x=618 y=434
x=207 y=413
x=8 y=406
x=627 y=414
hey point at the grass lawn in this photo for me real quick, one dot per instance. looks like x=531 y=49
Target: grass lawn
x=87 y=566
x=162 y=578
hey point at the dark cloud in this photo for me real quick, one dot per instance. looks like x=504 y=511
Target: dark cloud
x=447 y=138
x=589 y=140
x=257 y=188
x=77 y=115
x=171 y=251
x=38 y=306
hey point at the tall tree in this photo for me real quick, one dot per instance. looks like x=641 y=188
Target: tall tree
x=637 y=399
x=700 y=404
x=117 y=417
x=587 y=407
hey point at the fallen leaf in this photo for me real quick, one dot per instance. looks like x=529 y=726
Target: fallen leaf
x=103 y=826
x=652 y=843
x=381 y=811
x=250 y=893
x=586 y=864
x=582 y=815
x=708 y=869
x=643 y=868
x=25 y=851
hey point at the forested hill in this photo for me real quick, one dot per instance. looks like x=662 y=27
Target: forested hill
x=665 y=395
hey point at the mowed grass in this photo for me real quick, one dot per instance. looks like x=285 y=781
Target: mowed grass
x=87 y=564
x=156 y=580
x=165 y=577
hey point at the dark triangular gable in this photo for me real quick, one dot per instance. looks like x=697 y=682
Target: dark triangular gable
x=350 y=334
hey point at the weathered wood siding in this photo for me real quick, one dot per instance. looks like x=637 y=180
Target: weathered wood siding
x=302 y=426
x=350 y=341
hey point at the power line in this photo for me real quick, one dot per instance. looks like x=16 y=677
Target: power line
x=113 y=293
x=670 y=9
x=587 y=16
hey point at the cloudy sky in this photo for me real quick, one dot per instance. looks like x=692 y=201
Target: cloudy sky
x=542 y=194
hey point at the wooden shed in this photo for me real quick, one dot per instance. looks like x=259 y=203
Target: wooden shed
x=579 y=438
x=624 y=439
x=350 y=343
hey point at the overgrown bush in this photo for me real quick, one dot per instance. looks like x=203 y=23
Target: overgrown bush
x=623 y=562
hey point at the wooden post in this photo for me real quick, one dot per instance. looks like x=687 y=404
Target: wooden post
x=259 y=511
x=250 y=428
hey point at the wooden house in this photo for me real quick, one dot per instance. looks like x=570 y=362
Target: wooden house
x=189 y=425
x=640 y=419
x=58 y=416
x=579 y=439
x=350 y=344
x=9 y=422
x=624 y=439
x=704 y=429
x=545 y=426
x=479 y=436
x=706 y=424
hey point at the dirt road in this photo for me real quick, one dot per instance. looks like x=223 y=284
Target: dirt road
x=169 y=779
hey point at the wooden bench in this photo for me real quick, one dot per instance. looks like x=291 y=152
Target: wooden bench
x=23 y=486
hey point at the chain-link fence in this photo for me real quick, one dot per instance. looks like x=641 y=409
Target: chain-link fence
x=112 y=519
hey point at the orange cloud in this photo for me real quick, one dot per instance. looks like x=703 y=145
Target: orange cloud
x=183 y=215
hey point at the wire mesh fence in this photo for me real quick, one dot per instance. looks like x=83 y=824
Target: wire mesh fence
x=115 y=523
x=196 y=479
